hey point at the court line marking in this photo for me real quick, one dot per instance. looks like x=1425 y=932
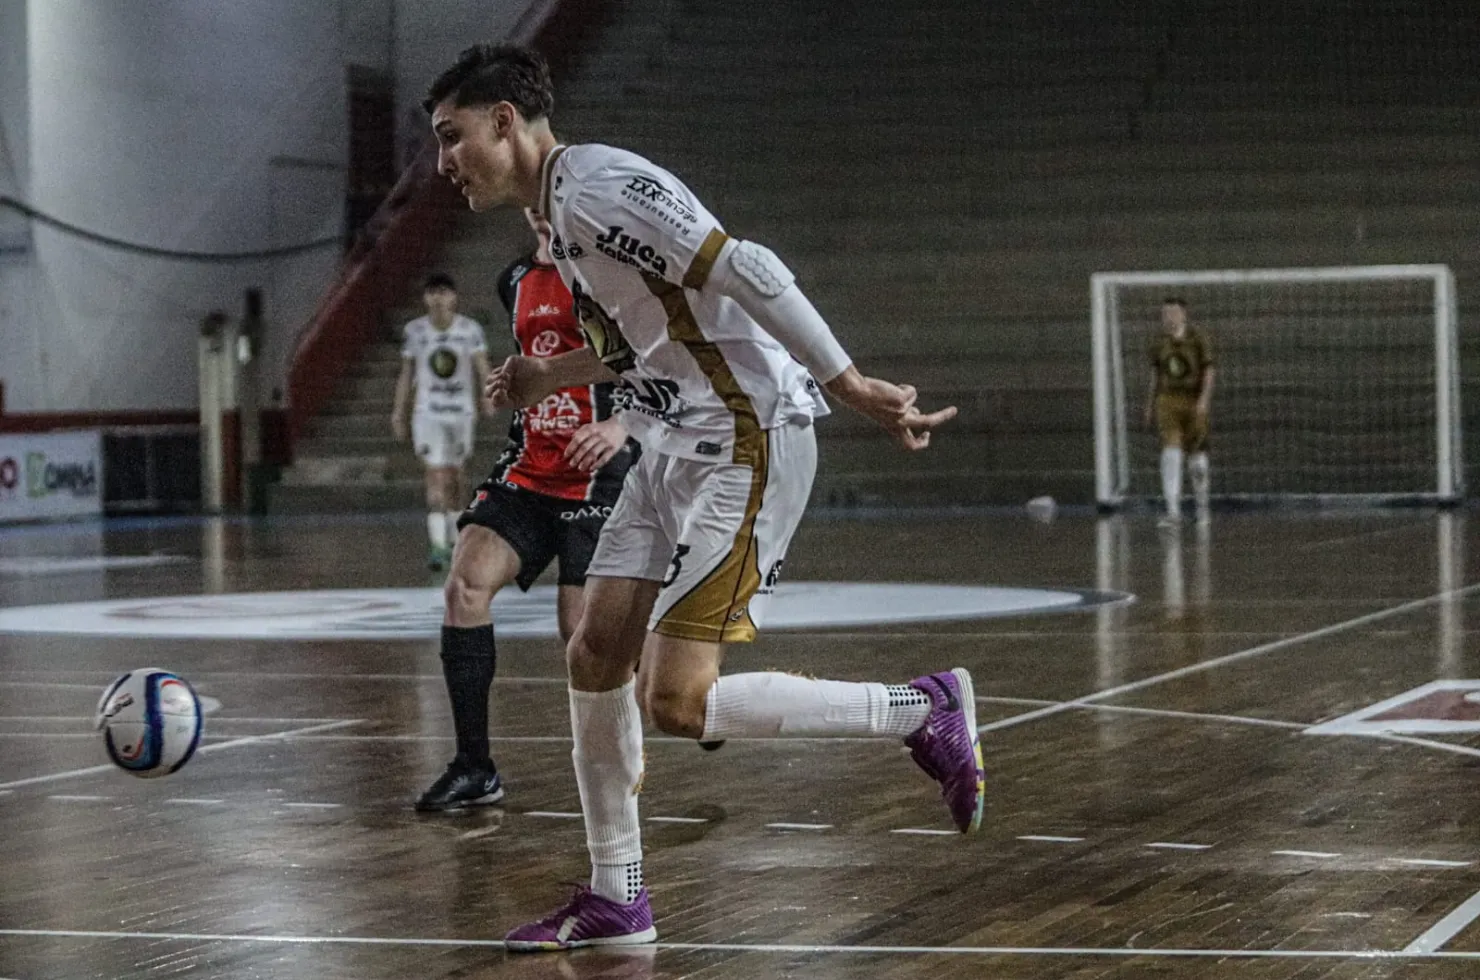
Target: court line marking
x=1195 y=715
x=207 y=676
x=48 y=735
x=535 y=739
x=1243 y=720
x=1446 y=928
x=1051 y=838
x=799 y=826
x=783 y=948
x=215 y=746
x=782 y=825
x=216 y=719
x=1230 y=658
x=480 y=832
x=1154 y=712
x=1427 y=743
x=1362 y=535
x=78 y=798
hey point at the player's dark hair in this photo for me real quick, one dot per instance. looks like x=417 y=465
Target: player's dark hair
x=488 y=73
x=438 y=280
x=1174 y=301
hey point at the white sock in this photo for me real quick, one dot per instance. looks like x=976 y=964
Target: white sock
x=772 y=704
x=608 y=756
x=1171 y=478
x=1199 y=469
x=449 y=519
x=437 y=529
x=618 y=882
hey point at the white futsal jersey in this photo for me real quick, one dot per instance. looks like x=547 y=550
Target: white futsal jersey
x=700 y=379
x=444 y=365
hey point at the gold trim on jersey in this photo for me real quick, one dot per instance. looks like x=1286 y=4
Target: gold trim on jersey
x=699 y=269
x=750 y=439
x=717 y=609
x=546 y=183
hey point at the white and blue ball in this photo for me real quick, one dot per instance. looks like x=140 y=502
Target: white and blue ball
x=151 y=722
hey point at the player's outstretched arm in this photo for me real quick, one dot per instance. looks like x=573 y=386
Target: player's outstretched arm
x=753 y=276
x=890 y=405
x=522 y=381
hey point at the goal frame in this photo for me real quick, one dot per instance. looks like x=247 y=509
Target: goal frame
x=1112 y=448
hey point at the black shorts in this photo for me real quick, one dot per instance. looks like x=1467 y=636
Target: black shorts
x=539 y=528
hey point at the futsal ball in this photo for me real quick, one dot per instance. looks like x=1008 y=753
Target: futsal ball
x=1042 y=509
x=151 y=722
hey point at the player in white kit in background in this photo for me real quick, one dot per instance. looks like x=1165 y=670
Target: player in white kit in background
x=719 y=356
x=444 y=359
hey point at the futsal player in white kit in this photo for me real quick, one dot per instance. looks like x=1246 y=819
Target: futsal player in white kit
x=444 y=359
x=721 y=359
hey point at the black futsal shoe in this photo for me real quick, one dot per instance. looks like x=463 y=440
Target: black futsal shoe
x=462 y=786
x=714 y=746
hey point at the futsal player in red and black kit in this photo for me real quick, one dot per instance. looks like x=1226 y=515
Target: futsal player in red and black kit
x=547 y=498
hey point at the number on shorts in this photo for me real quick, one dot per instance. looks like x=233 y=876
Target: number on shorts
x=676 y=567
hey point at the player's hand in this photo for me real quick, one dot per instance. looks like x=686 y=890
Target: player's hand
x=890 y=405
x=593 y=446
x=1202 y=411
x=398 y=427
x=519 y=382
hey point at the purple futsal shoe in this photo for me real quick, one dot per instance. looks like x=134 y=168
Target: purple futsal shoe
x=947 y=748
x=587 y=920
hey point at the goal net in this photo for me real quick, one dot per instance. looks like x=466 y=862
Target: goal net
x=1330 y=384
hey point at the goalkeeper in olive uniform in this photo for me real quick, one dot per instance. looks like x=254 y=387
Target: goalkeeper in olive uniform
x=1177 y=405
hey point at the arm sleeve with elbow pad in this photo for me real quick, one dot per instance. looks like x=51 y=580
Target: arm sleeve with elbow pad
x=753 y=276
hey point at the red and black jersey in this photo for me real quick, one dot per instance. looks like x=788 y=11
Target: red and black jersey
x=542 y=316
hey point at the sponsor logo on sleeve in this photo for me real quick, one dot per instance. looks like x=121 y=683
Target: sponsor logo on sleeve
x=661 y=202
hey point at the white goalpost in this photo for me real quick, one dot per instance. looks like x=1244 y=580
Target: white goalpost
x=1331 y=384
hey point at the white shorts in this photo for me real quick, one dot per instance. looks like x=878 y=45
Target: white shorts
x=442 y=440
x=715 y=534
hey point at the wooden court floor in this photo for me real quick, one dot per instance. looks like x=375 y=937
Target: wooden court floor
x=1158 y=807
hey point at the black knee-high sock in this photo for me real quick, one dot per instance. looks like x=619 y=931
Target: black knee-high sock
x=468 y=660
